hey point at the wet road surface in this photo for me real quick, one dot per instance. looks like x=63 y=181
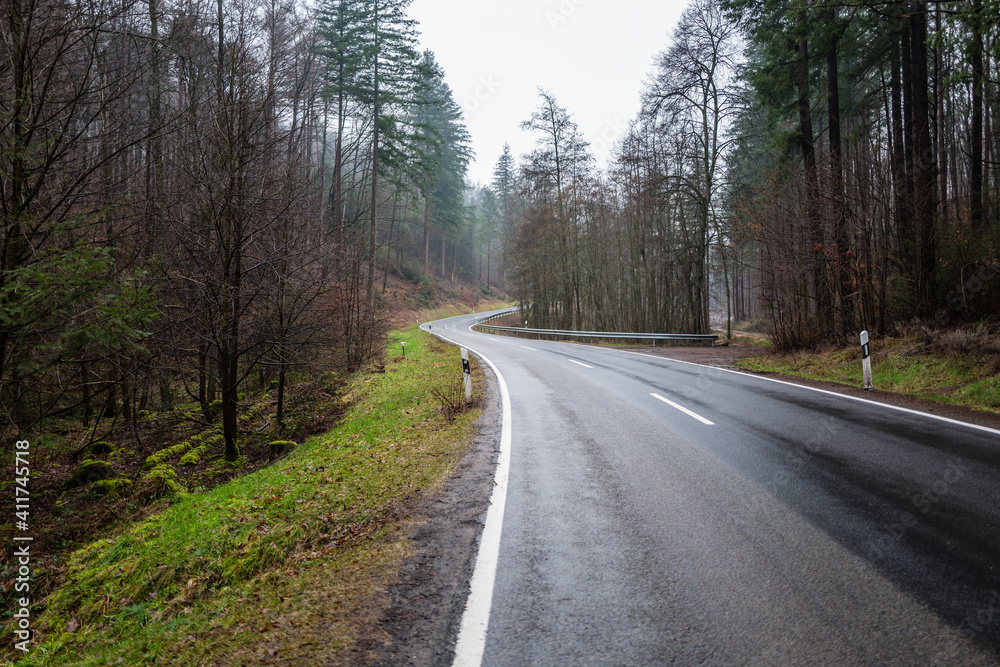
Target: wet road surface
x=659 y=512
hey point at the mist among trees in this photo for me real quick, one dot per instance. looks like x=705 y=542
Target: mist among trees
x=201 y=199
x=819 y=168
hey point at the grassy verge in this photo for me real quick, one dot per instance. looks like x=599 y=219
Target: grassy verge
x=288 y=564
x=955 y=367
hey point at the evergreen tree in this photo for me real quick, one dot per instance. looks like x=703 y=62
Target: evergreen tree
x=504 y=186
x=370 y=57
x=442 y=153
x=342 y=28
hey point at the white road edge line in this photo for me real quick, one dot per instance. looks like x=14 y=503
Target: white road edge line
x=890 y=406
x=476 y=619
x=684 y=410
x=580 y=363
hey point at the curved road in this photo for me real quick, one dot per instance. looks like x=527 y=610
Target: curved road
x=661 y=512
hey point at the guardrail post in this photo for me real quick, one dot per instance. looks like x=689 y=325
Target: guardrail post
x=866 y=360
x=466 y=375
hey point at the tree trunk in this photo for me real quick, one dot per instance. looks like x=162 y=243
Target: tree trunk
x=373 y=232
x=939 y=96
x=901 y=163
x=166 y=392
x=813 y=223
x=427 y=238
x=338 y=166
x=923 y=161
x=842 y=273
x=976 y=137
x=85 y=386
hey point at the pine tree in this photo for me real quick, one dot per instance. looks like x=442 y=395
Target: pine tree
x=442 y=153
x=504 y=185
x=342 y=28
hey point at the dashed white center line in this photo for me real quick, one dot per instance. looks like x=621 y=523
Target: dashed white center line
x=529 y=348
x=580 y=363
x=684 y=410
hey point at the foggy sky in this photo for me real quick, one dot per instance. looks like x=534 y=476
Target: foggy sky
x=592 y=55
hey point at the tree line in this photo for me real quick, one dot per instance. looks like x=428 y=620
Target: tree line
x=821 y=167
x=198 y=198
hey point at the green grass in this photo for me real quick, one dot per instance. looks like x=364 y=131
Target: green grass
x=903 y=366
x=223 y=576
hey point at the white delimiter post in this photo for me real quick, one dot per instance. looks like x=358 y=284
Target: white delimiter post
x=866 y=360
x=466 y=375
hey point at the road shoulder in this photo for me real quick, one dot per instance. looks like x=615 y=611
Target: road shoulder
x=429 y=594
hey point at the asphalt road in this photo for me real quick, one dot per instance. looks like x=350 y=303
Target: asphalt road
x=659 y=512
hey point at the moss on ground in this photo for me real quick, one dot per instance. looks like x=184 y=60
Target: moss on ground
x=281 y=447
x=284 y=564
x=89 y=472
x=113 y=488
x=161 y=457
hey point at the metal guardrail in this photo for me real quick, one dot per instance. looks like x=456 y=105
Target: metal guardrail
x=496 y=316
x=481 y=324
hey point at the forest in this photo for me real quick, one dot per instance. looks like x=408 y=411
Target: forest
x=202 y=199
x=208 y=209
x=199 y=199
x=819 y=168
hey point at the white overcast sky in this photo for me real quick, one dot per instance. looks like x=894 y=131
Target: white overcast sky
x=592 y=55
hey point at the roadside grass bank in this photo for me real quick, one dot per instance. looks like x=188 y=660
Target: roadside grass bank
x=743 y=339
x=288 y=565
x=959 y=366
